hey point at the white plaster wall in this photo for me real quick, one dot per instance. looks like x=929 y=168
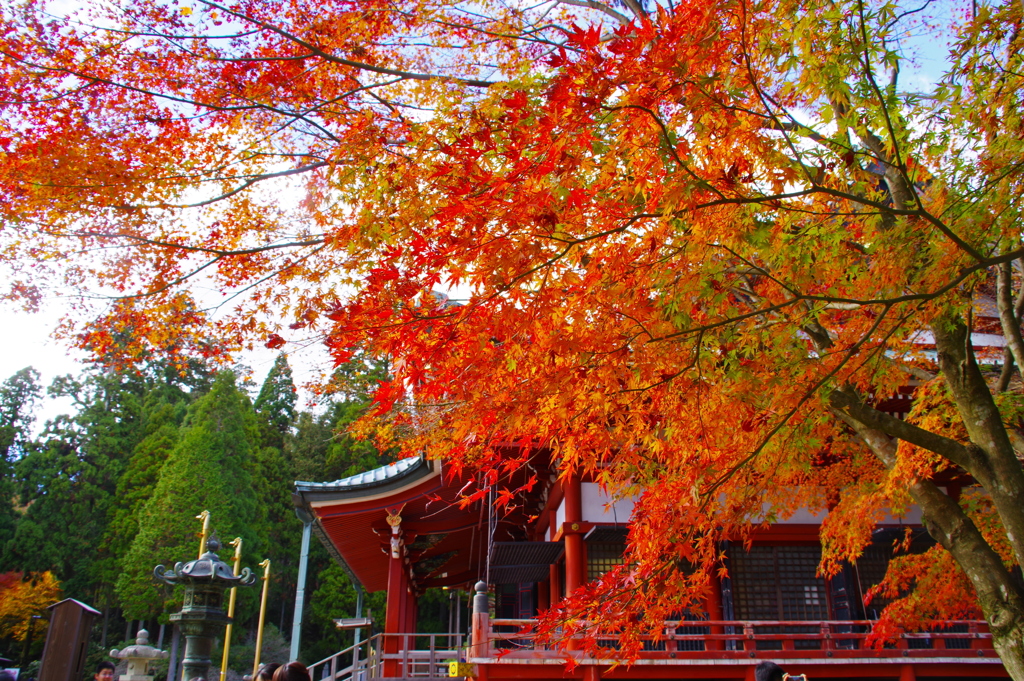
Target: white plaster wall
x=804 y=516
x=597 y=506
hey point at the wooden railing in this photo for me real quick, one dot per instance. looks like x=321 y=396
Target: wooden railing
x=721 y=639
x=424 y=657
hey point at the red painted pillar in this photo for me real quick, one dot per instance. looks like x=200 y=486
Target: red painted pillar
x=575 y=561
x=398 y=594
x=412 y=611
x=555 y=580
x=907 y=673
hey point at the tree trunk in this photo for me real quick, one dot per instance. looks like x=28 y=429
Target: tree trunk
x=993 y=461
x=999 y=595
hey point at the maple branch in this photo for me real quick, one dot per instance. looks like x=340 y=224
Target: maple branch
x=951 y=527
x=918 y=212
x=870 y=74
x=599 y=6
x=242 y=187
x=998 y=470
x=270 y=275
x=848 y=355
x=668 y=142
x=220 y=253
x=842 y=400
x=675 y=375
x=169 y=285
x=326 y=56
x=917 y=372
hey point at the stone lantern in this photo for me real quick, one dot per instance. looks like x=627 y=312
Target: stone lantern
x=202 y=615
x=140 y=658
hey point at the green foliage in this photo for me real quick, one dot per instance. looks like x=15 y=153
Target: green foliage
x=347 y=455
x=335 y=597
x=275 y=404
x=18 y=397
x=135 y=487
x=139 y=457
x=211 y=468
x=308 y=447
x=68 y=479
x=275 y=648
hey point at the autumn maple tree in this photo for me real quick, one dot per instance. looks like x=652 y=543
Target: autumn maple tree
x=697 y=245
x=24 y=597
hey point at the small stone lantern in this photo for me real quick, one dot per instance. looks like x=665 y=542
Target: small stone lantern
x=202 y=615
x=140 y=658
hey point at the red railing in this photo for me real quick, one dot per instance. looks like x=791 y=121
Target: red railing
x=722 y=639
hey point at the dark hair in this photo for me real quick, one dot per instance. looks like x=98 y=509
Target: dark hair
x=293 y=671
x=768 y=671
x=105 y=665
x=266 y=672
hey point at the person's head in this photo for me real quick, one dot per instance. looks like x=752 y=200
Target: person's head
x=266 y=672
x=768 y=671
x=293 y=671
x=104 y=671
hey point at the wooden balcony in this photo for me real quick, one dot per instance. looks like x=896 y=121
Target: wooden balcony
x=512 y=639
x=726 y=649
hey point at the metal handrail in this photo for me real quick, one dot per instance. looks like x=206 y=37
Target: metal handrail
x=423 y=664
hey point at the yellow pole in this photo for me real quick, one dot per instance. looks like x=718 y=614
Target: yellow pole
x=205 y=534
x=263 y=615
x=237 y=543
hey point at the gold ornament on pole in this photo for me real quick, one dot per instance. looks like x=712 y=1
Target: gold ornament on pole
x=205 y=534
x=237 y=543
x=263 y=615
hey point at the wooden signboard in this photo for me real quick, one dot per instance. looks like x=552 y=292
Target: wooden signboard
x=67 y=641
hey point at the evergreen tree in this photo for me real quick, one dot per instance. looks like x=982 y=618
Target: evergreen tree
x=347 y=455
x=160 y=422
x=334 y=597
x=69 y=480
x=18 y=397
x=308 y=446
x=275 y=404
x=210 y=468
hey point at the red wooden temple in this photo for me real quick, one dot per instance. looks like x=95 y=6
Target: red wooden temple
x=398 y=528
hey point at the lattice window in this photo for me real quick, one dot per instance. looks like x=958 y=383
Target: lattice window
x=602 y=557
x=779 y=583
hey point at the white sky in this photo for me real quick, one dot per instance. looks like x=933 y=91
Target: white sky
x=28 y=342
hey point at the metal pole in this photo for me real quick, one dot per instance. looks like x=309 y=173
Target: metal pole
x=172 y=670
x=263 y=615
x=359 y=609
x=300 y=587
x=237 y=543
x=358 y=632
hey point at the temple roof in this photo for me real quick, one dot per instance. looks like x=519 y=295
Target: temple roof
x=384 y=478
x=445 y=534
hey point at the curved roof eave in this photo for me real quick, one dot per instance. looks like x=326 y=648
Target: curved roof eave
x=381 y=481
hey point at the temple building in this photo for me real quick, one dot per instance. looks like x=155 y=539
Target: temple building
x=401 y=528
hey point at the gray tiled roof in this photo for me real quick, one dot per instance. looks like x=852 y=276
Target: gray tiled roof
x=367 y=478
